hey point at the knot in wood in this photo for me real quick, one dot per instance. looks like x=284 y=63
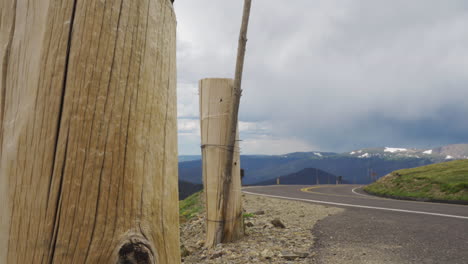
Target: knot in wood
x=136 y=251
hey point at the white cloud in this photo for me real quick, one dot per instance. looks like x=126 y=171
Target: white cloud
x=187 y=100
x=189 y=126
x=335 y=74
x=273 y=146
x=254 y=127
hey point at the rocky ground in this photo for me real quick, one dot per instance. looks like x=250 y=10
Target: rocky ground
x=277 y=231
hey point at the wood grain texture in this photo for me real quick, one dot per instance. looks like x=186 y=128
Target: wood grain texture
x=223 y=207
x=88 y=133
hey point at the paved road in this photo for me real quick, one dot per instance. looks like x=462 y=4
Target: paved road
x=379 y=230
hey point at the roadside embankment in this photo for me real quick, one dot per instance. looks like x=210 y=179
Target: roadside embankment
x=442 y=182
x=277 y=231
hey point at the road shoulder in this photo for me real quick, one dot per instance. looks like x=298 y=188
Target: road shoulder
x=263 y=243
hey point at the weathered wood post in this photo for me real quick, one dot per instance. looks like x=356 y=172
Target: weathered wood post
x=88 y=133
x=223 y=225
x=226 y=178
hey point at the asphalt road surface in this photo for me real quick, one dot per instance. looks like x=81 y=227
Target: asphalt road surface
x=380 y=230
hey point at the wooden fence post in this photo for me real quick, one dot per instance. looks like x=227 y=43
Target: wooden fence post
x=88 y=132
x=223 y=224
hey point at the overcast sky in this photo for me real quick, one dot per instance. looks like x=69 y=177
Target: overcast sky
x=330 y=75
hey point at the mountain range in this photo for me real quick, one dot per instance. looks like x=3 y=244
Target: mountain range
x=450 y=152
x=308 y=176
x=355 y=166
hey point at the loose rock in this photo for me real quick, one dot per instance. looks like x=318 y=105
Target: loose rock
x=184 y=252
x=302 y=254
x=260 y=212
x=288 y=255
x=200 y=243
x=263 y=243
x=216 y=255
x=277 y=223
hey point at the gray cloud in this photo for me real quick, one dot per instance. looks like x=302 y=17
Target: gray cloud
x=334 y=75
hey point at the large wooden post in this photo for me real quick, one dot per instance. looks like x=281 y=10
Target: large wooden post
x=224 y=220
x=88 y=133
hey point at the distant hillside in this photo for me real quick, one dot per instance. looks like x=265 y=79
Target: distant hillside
x=187 y=188
x=354 y=166
x=308 y=176
x=263 y=168
x=442 y=181
x=190 y=171
x=183 y=158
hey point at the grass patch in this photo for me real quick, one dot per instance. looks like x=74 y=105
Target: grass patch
x=248 y=215
x=442 y=181
x=191 y=206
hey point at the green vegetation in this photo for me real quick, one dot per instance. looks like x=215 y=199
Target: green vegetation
x=441 y=181
x=248 y=215
x=191 y=206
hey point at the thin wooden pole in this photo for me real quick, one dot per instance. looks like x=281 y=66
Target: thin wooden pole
x=88 y=149
x=237 y=91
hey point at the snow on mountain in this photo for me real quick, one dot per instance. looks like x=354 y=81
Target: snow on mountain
x=440 y=154
x=456 y=151
x=393 y=150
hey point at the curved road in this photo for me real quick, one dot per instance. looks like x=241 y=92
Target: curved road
x=379 y=230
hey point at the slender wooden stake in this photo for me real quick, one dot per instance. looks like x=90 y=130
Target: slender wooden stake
x=88 y=130
x=237 y=91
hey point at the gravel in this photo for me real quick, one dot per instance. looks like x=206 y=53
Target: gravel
x=263 y=242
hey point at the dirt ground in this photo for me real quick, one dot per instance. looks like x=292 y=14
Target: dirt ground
x=263 y=243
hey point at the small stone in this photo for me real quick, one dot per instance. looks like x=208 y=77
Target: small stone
x=260 y=212
x=200 y=243
x=302 y=254
x=277 y=223
x=216 y=255
x=288 y=255
x=184 y=252
x=249 y=224
x=267 y=254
